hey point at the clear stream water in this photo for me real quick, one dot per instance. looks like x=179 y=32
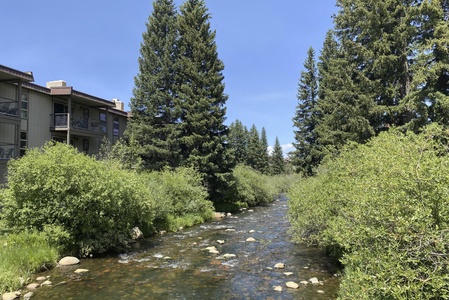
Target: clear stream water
x=192 y=273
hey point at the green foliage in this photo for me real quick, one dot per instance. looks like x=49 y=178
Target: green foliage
x=253 y=187
x=21 y=255
x=238 y=138
x=385 y=206
x=306 y=157
x=180 y=198
x=277 y=159
x=155 y=122
x=90 y=204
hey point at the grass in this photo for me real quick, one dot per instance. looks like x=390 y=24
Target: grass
x=22 y=255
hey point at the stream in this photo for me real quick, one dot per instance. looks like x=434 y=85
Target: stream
x=177 y=266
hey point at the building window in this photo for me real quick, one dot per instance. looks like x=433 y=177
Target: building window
x=24 y=108
x=102 y=122
x=23 y=143
x=86 y=145
x=7 y=140
x=116 y=126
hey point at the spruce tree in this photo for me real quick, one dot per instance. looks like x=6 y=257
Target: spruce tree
x=277 y=159
x=238 y=141
x=306 y=118
x=264 y=157
x=202 y=98
x=430 y=86
x=154 y=124
x=254 y=149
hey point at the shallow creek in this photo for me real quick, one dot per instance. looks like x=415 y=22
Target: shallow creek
x=175 y=265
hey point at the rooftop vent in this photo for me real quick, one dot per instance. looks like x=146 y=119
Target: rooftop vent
x=56 y=83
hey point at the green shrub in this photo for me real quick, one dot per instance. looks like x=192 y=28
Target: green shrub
x=181 y=199
x=91 y=205
x=21 y=255
x=385 y=205
x=252 y=187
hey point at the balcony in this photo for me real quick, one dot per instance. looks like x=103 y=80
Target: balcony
x=9 y=107
x=59 y=122
x=6 y=150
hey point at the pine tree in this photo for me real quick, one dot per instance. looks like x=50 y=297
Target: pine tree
x=202 y=98
x=238 y=141
x=264 y=157
x=254 y=149
x=277 y=159
x=306 y=118
x=154 y=123
x=430 y=86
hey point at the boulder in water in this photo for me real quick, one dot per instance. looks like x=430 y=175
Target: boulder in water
x=69 y=261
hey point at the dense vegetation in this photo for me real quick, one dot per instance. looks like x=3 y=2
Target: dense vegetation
x=59 y=201
x=371 y=132
x=383 y=65
x=178 y=105
x=383 y=209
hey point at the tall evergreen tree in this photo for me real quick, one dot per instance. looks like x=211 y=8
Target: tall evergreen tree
x=238 y=141
x=202 y=98
x=264 y=158
x=430 y=86
x=254 y=149
x=307 y=157
x=154 y=124
x=277 y=159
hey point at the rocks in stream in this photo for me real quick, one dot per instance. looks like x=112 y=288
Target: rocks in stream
x=211 y=250
x=292 y=285
x=279 y=266
x=69 y=261
x=136 y=234
x=11 y=296
x=250 y=239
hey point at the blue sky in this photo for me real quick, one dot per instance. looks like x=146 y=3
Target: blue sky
x=94 y=45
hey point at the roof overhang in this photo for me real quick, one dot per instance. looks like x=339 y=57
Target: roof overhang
x=12 y=75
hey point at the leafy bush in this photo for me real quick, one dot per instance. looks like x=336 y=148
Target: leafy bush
x=181 y=199
x=252 y=187
x=21 y=255
x=385 y=205
x=92 y=205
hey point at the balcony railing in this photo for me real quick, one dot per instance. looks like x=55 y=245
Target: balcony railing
x=9 y=107
x=6 y=150
x=59 y=121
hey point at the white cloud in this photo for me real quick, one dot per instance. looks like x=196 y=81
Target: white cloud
x=286 y=148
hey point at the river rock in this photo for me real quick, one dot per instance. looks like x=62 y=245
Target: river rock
x=227 y=256
x=136 y=233
x=69 y=261
x=230 y=230
x=278 y=288
x=304 y=282
x=228 y=214
x=219 y=215
x=211 y=250
x=221 y=242
x=11 y=296
x=252 y=231
x=250 y=239
x=41 y=278
x=81 y=271
x=288 y=273
x=33 y=286
x=279 y=266
x=314 y=280
x=292 y=285
x=46 y=283
x=320 y=292
x=28 y=296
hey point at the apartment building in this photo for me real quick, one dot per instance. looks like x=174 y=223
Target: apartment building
x=31 y=115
